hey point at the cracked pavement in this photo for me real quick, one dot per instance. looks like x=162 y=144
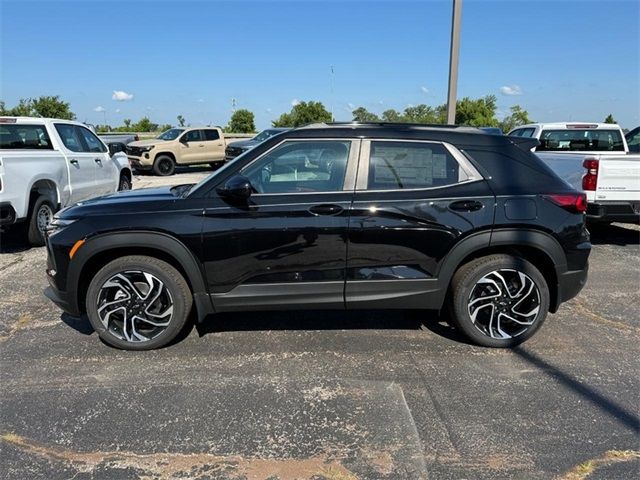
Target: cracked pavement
x=323 y=395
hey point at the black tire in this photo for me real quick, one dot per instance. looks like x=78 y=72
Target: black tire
x=35 y=229
x=494 y=320
x=216 y=165
x=124 y=183
x=179 y=297
x=164 y=165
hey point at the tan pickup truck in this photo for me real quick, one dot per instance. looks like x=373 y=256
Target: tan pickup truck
x=178 y=146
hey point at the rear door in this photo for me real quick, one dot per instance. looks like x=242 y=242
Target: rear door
x=413 y=201
x=81 y=164
x=286 y=245
x=213 y=145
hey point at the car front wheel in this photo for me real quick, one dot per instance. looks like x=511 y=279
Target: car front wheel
x=138 y=303
x=164 y=165
x=499 y=300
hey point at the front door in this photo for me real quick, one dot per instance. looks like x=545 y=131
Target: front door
x=81 y=164
x=191 y=147
x=288 y=242
x=413 y=201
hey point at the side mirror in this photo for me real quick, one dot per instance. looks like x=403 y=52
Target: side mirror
x=237 y=187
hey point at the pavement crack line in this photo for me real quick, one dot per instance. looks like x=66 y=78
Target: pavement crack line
x=18 y=260
x=19 y=325
x=581 y=308
x=585 y=469
x=167 y=465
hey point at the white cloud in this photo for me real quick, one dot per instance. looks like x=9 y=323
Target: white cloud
x=200 y=100
x=381 y=102
x=511 y=90
x=424 y=89
x=351 y=106
x=268 y=110
x=295 y=102
x=117 y=110
x=120 y=96
x=99 y=108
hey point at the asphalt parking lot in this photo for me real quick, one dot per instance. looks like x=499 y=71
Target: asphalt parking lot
x=323 y=395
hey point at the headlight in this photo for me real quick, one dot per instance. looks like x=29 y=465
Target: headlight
x=147 y=149
x=58 y=224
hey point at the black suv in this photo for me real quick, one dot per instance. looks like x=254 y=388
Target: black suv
x=338 y=216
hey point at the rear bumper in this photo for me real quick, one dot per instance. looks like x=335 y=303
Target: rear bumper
x=625 y=212
x=570 y=284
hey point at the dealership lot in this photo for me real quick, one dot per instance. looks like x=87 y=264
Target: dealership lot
x=333 y=395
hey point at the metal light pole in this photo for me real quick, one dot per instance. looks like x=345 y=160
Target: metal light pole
x=453 y=61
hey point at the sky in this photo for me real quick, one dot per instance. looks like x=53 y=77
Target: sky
x=561 y=60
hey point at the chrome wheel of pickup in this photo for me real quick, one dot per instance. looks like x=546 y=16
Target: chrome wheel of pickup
x=504 y=303
x=134 y=306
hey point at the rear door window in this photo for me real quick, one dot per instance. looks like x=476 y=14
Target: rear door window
x=210 y=135
x=412 y=165
x=16 y=136
x=70 y=137
x=576 y=140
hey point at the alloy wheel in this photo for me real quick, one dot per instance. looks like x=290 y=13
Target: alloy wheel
x=504 y=303
x=135 y=306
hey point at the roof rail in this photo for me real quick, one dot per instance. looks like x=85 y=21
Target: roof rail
x=388 y=124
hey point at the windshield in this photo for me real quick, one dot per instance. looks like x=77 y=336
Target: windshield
x=262 y=136
x=171 y=134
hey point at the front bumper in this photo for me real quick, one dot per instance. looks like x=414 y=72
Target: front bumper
x=62 y=300
x=625 y=212
x=139 y=163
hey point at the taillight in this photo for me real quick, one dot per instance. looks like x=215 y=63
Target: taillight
x=590 y=179
x=571 y=202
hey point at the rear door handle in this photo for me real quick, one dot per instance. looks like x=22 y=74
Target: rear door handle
x=98 y=160
x=326 y=209
x=466 y=206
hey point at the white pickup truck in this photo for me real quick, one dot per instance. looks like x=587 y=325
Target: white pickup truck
x=47 y=164
x=594 y=158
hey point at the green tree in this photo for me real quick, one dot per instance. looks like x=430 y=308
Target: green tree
x=420 y=114
x=164 y=128
x=610 y=119
x=127 y=123
x=181 y=120
x=517 y=117
x=477 y=113
x=392 y=115
x=45 y=106
x=144 y=125
x=361 y=114
x=303 y=113
x=242 y=121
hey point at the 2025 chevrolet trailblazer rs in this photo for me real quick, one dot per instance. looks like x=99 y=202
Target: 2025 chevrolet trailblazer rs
x=333 y=216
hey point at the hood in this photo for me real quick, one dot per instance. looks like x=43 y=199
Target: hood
x=130 y=201
x=145 y=143
x=243 y=144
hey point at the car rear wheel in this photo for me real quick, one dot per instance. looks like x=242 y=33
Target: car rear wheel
x=138 y=303
x=40 y=219
x=164 y=165
x=499 y=300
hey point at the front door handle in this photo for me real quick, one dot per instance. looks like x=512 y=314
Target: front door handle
x=98 y=160
x=326 y=209
x=466 y=206
x=74 y=161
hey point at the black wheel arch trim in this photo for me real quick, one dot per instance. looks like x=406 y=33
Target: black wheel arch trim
x=143 y=239
x=506 y=237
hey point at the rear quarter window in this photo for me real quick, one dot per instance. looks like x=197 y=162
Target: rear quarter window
x=19 y=137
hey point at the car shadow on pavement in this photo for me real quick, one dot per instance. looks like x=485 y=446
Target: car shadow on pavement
x=330 y=320
x=609 y=407
x=79 y=324
x=620 y=234
x=13 y=241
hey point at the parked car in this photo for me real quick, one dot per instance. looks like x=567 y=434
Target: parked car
x=47 y=164
x=178 y=146
x=237 y=148
x=594 y=158
x=492 y=130
x=332 y=217
x=125 y=138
